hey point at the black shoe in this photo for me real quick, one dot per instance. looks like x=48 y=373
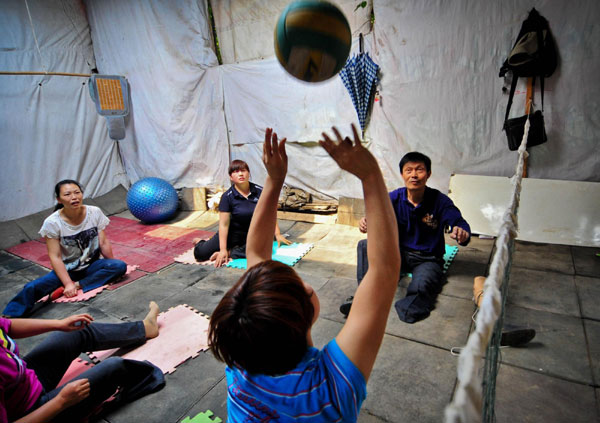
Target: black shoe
x=516 y=337
x=346 y=306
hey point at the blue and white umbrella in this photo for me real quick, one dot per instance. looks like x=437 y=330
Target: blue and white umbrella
x=359 y=76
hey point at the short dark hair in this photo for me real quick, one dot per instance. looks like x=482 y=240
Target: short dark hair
x=238 y=165
x=415 y=156
x=60 y=184
x=261 y=323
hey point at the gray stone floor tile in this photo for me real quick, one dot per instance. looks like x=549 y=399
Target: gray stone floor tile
x=592 y=330
x=10 y=263
x=366 y=417
x=547 y=291
x=220 y=279
x=589 y=293
x=447 y=326
x=131 y=301
x=410 y=382
x=189 y=383
x=202 y=300
x=333 y=294
x=308 y=232
x=525 y=396
x=479 y=250
x=12 y=234
x=587 y=263
x=558 y=349
x=460 y=277
x=547 y=257
x=31 y=224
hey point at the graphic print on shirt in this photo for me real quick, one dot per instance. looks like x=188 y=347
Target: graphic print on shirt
x=430 y=221
x=259 y=411
x=83 y=247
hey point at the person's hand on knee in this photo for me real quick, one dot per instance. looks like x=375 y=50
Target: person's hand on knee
x=74 y=392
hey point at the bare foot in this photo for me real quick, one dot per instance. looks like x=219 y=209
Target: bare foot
x=150 y=322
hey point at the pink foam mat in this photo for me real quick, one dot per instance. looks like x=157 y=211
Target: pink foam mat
x=77 y=367
x=182 y=335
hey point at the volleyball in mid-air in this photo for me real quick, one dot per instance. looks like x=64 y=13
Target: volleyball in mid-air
x=312 y=40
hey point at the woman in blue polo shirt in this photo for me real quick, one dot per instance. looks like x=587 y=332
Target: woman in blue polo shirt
x=235 y=213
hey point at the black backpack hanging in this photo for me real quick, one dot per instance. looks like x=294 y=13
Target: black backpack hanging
x=533 y=55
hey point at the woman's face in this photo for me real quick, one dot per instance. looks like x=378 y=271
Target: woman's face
x=240 y=176
x=70 y=196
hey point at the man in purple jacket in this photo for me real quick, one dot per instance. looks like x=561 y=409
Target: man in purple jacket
x=422 y=214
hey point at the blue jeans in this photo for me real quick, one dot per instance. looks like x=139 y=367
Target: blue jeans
x=427 y=282
x=99 y=273
x=51 y=359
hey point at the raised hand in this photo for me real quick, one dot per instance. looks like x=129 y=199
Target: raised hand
x=274 y=156
x=75 y=322
x=353 y=158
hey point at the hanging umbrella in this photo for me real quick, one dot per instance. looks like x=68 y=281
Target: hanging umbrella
x=359 y=76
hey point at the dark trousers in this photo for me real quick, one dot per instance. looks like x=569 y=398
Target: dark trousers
x=51 y=359
x=427 y=282
x=100 y=272
x=235 y=242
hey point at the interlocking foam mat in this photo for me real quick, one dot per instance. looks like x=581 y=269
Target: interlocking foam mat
x=77 y=367
x=204 y=417
x=288 y=254
x=150 y=247
x=183 y=334
x=131 y=275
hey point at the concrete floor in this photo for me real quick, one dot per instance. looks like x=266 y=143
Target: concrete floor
x=554 y=289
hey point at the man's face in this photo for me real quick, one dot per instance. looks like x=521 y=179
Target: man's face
x=415 y=175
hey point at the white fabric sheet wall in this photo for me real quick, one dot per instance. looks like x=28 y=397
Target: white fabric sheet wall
x=440 y=89
x=177 y=129
x=48 y=124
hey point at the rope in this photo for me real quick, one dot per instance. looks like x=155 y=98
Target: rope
x=474 y=397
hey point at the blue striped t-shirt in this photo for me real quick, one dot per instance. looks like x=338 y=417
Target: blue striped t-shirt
x=324 y=387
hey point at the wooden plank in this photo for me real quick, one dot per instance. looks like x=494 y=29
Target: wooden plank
x=307 y=217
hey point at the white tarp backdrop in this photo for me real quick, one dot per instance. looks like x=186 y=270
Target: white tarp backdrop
x=440 y=93
x=49 y=127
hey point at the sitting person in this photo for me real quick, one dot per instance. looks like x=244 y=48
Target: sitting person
x=75 y=239
x=235 y=213
x=262 y=326
x=422 y=214
x=29 y=392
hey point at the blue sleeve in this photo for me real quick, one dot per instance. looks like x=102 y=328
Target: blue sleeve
x=451 y=216
x=225 y=203
x=348 y=383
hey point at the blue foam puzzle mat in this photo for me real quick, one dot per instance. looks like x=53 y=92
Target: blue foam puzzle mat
x=288 y=254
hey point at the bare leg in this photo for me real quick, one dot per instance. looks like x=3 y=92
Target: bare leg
x=150 y=322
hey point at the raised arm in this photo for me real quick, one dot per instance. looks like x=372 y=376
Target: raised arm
x=361 y=336
x=259 y=244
